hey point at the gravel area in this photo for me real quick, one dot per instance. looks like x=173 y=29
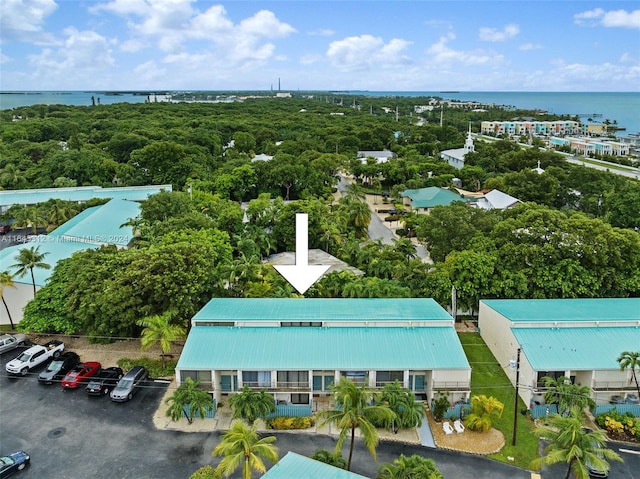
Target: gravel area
x=467 y=441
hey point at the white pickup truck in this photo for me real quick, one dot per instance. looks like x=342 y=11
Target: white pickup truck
x=35 y=356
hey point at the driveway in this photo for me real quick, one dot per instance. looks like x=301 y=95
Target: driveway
x=72 y=436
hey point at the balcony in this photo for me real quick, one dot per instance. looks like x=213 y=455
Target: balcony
x=451 y=386
x=279 y=386
x=613 y=386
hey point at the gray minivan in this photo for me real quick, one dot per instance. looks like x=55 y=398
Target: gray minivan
x=129 y=384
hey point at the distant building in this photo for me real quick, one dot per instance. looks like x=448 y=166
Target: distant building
x=381 y=156
x=495 y=200
x=576 y=338
x=424 y=199
x=455 y=157
x=590 y=146
x=90 y=229
x=261 y=157
x=540 y=128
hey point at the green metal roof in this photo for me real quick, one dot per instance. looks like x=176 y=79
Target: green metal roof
x=432 y=196
x=553 y=349
x=102 y=224
x=322 y=309
x=590 y=309
x=54 y=249
x=295 y=466
x=80 y=193
x=305 y=348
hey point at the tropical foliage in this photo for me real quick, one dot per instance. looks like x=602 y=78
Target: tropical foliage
x=158 y=329
x=241 y=446
x=408 y=412
x=355 y=409
x=483 y=412
x=189 y=401
x=566 y=395
x=412 y=467
x=631 y=360
x=251 y=405
x=332 y=458
x=568 y=442
x=28 y=259
x=6 y=281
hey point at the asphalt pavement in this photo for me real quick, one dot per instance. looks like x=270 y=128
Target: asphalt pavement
x=72 y=436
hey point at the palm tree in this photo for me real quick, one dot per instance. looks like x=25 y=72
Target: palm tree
x=57 y=212
x=198 y=401
x=6 y=281
x=413 y=467
x=158 y=328
x=402 y=402
x=359 y=217
x=566 y=395
x=242 y=445
x=406 y=248
x=630 y=360
x=354 y=409
x=570 y=443
x=27 y=259
x=251 y=405
x=483 y=410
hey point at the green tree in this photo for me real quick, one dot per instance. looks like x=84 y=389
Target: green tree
x=188 y=397
x=27 y=259
x=242 y=445
x=483 y=411
x=413 y=467
x=354 y=409
x=570 y=443
x=567 y=395
x=334 y=459
x=402 y=401
x=158 y=329
x=6 y=281
x=251 y=405
x=630 y=360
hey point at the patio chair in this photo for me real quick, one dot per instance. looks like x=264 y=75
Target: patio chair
x=459 y=427
x=446 y=426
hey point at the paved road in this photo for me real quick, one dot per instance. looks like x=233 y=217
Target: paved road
x=72 y=436
x=377 y=228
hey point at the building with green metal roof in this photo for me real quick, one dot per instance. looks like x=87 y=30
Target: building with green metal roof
x=90 y=229
x=424 y=199
x=298 y=347
x=577 y=338
x=295 y=466
x=78 y=194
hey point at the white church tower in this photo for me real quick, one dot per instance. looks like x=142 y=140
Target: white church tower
x=468 y=144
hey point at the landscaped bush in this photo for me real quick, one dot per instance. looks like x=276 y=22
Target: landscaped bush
x=620 y=426
x=283 y=423
x=205 y=472
x=154 y=366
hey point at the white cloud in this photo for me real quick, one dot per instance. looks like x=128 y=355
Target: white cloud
x=23 y=20
x=613 y=18
x=441 y=54
x=5 y=59
x=310 y=59
x=366 y=51
x=493 y=35
x=83 y=53
x=530 y=46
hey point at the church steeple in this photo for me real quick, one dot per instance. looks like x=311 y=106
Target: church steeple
x=468 y=144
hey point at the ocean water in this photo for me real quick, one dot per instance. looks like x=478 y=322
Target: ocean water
x=621 y=107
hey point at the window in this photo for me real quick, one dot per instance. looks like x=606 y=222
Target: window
x=359 y=377
x=203 y=376
x=299 y=324
x=552 y=374
x=384 y=377
x=257 y=378
x=299 y=399
x=293 y=379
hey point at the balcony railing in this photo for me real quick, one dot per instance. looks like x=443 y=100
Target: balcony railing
x=613 y=386
x=451 y=386
x=279 y=385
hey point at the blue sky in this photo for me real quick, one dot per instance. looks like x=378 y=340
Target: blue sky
x=320 y=45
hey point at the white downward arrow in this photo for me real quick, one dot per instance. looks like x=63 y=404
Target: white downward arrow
x=302 y=275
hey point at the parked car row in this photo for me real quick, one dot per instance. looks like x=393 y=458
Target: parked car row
x=630 y=399
x=67 y=369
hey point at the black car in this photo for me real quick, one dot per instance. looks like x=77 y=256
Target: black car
x=13 y=463
x=57 y=368
x=104 y=381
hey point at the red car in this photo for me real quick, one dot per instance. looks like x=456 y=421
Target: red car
x=80 y=374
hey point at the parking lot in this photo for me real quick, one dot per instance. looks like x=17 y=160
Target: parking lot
x=72 y=436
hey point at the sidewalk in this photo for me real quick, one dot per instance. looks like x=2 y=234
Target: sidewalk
x=224 y=418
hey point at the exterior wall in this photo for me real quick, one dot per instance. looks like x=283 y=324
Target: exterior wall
x=16 y=298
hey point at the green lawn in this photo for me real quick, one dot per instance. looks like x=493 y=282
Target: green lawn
x=488 y=378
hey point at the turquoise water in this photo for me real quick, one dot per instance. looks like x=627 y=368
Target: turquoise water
x=622 y=107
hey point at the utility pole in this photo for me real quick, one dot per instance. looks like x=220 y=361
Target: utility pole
x=515 y=404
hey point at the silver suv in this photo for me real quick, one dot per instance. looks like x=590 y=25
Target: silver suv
x=129 y=384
